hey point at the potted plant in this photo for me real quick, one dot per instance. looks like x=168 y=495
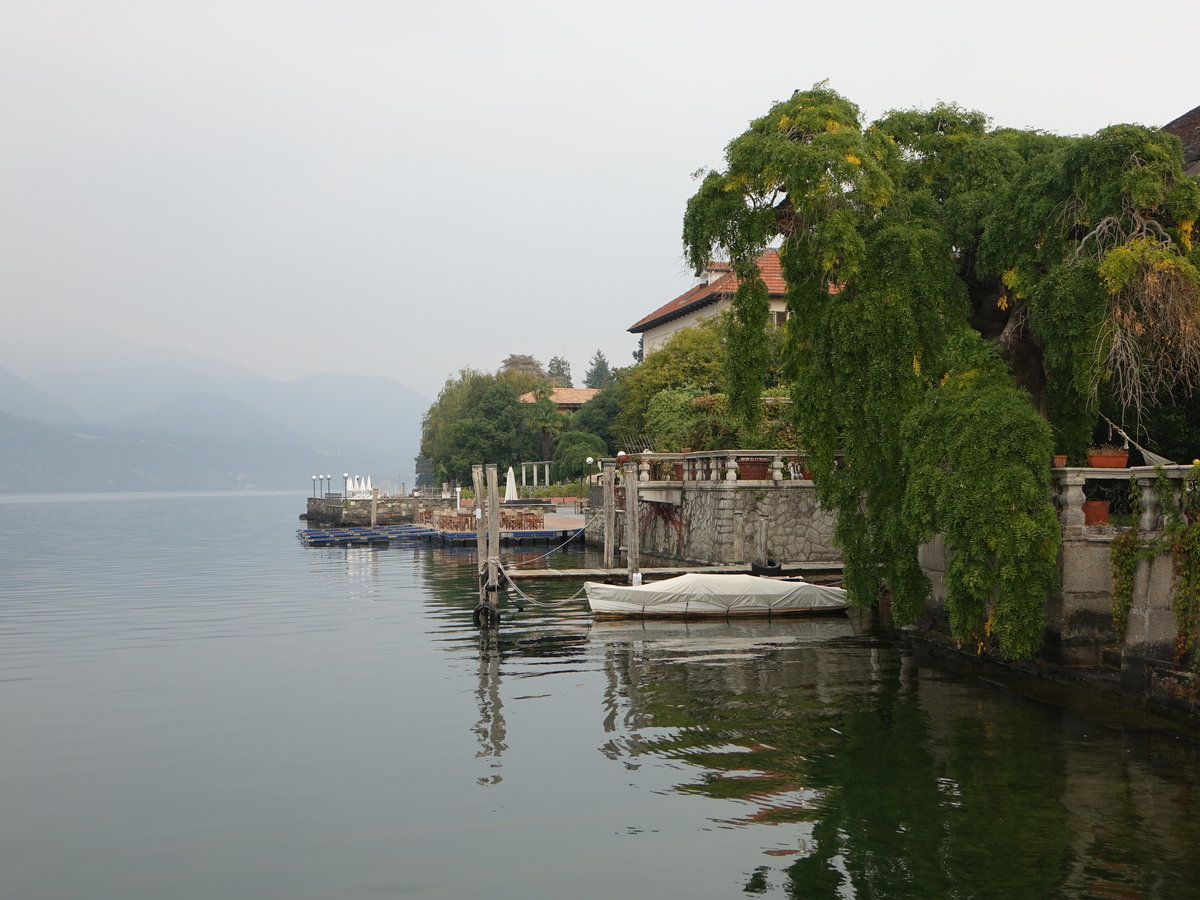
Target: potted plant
x=1107 y=456
x=1058 y=460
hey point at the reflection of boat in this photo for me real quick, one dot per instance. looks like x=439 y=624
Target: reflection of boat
x=718 y=634
x=703 y=594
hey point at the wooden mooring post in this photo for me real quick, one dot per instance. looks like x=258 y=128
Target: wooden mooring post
x=632 y=532
x=609 y=477
x=487 y=547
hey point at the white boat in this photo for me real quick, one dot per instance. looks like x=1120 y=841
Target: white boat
x=701 y=594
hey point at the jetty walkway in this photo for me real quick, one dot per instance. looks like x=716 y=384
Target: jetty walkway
x=546 y=528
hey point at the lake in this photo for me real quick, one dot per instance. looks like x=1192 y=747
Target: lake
x=193 y=705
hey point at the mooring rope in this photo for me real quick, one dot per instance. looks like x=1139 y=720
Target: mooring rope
x=528 y=562
x=549 y=604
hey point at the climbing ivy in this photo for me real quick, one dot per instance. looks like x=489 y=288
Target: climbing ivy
x=951 y=289
x=1180 y=537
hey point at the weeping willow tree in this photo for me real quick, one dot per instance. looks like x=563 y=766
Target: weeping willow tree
x=960 y=300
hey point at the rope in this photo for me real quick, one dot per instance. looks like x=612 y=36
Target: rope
x=529 y=562
x=1153 y=458
x=549 y=604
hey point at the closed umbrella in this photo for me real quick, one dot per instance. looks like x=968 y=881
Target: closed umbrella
x=510 y=486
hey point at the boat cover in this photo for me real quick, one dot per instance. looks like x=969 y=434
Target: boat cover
x=701 y=594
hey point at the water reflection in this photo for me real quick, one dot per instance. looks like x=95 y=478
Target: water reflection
x=891 y=780
x=490 y=729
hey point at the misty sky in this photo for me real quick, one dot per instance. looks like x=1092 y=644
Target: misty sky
x=403 y=189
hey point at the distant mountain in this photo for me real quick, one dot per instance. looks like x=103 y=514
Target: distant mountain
x=143 y=382
x=182 y=421
x=47 y=458
x=20 y=398
x=214 y=417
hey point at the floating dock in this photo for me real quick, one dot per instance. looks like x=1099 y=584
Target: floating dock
x=385 y=535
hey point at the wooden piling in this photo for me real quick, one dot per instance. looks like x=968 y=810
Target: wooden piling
x=632 y=533
x=610 y=514
x=493 y=539
x=480 y=532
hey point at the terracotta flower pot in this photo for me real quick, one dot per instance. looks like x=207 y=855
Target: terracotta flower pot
x=1115 y=460
x=1059 y=460
x=1095 y=512
x=753 y=468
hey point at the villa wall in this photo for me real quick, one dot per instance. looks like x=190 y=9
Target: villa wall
x=1079 y=620
x=700 y=521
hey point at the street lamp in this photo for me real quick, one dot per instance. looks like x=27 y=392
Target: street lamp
x=314 y=486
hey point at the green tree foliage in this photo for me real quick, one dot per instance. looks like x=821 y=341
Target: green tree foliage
x=907 y=244
x=522 y=364
x=671 y=419
x=599 y=374
x=693 y=358
x=547 y=421
x=558 y=371
x=572 y=452
x=597 y=415
x=476 y=419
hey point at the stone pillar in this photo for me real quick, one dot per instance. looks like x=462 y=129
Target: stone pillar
x=1151 y=511
x=731 y=469
x=739 y=539
x=1071 y=513
x=776 y=468
x=643 y=471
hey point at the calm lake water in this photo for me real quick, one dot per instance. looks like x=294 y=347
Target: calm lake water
x=192 y=705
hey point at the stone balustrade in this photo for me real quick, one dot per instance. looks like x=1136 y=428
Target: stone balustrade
x=717 y=465
x=1071 y=484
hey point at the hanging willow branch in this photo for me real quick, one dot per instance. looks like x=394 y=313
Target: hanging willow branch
x=1150 y=339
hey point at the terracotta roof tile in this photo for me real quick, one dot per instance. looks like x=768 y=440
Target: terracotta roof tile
x=563 y=396
x=705 y=294
x=1187 y=129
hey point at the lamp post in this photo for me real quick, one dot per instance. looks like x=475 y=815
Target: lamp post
x=314 y=486
x=345 y=484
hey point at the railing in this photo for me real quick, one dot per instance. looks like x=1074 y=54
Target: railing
x=1071 y=484
x=718 y=465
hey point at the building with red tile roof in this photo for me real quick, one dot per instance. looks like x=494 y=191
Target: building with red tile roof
x=566 y=399
x=1187 y=129
x=714 y=293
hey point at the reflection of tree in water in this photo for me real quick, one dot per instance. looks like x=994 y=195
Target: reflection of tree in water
x=887 y=796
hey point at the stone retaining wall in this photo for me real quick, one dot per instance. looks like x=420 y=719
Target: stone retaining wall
x=338 y=512
x=701 y=521
x=1079 y=621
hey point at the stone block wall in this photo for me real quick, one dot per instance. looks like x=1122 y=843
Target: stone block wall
x=702 y=521
x=1079 y=626
x=389 y=510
